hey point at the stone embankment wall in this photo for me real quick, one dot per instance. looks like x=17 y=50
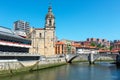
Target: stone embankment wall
x=12 y=67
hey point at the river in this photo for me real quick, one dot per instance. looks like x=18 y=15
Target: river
x=75 y=71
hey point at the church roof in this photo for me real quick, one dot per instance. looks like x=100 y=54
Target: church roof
x=39 y=28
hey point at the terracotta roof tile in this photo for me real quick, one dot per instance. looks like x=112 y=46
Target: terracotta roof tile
x=59 y=42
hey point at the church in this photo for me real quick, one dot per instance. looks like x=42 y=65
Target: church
x=43 y=39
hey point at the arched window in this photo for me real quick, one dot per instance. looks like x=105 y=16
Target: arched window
x=50 y=22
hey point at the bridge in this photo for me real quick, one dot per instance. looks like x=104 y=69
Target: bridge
x=90 y=57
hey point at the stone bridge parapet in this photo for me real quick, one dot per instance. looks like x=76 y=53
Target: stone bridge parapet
x=90 y=57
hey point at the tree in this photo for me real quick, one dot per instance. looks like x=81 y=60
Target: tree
x=93 y=44
x=111 y=47
x=99 y=45
x=68 y=48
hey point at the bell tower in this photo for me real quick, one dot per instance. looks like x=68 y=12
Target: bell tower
x=49 y=43
x=50 y=19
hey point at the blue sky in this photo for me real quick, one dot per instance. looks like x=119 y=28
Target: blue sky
x=75 y=19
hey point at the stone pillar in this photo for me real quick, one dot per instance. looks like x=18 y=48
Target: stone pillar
x=67 y=58
x=91 y=58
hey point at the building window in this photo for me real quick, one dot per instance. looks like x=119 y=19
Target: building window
x=40 y=35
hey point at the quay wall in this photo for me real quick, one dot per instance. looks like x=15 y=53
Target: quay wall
x=11 y=67
x=15 y=64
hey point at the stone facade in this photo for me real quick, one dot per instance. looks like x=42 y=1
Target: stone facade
x=43 y=39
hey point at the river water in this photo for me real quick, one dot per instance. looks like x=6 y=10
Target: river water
x=75 y=71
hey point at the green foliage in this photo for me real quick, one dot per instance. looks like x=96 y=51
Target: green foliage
x=99 y=45
x=68 y=48
x=93 y=44
x=111 y=47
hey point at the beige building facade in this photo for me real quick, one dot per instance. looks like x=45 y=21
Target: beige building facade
x=43 y=39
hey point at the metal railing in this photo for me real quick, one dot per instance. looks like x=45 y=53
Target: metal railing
x=17 y=54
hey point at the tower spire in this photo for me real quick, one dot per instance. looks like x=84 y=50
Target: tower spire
x=50 y=19
x=50 y=6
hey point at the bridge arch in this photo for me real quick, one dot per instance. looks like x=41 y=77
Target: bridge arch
x=91 y=57
x=105 y=57
x=69 y=58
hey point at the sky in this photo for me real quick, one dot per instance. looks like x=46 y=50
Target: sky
x=75 y=19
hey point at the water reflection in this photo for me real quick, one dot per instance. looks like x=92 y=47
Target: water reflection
x=78 y=71
x=115 y=73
